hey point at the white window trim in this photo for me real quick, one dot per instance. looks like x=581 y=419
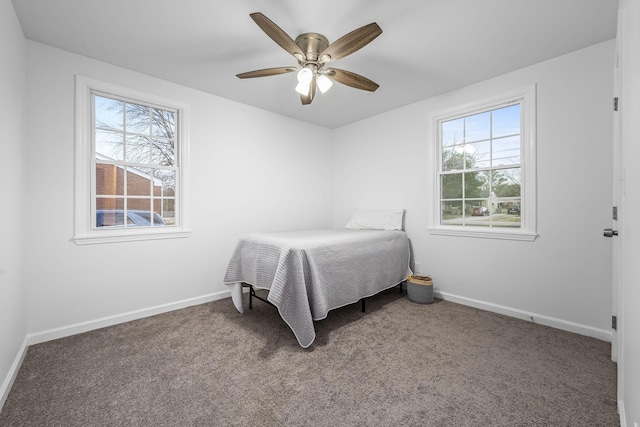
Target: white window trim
x=528 y=228
x=83 y=232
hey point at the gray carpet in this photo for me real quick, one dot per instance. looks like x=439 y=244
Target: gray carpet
x=399 y=364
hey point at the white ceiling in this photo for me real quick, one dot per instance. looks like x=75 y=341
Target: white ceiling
x=427 y=47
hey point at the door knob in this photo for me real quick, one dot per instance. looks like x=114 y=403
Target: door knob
x=608 y=232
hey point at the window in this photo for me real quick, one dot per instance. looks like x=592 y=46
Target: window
x=135 y=163
x=131 y=158
x=485 y=162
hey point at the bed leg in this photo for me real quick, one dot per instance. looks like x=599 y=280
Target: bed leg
x=400 y=286
x=363 y=305
x=251 y=292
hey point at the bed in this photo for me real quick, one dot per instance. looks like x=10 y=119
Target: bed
x=309 y=273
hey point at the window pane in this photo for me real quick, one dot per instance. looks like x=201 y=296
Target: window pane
x=507 y=182
x=138 y=182
x=138 y=120
x=506 y=121
x=157 y=188
x=509 y=214
x=476 y=185
x=145 y=218
x=109 y=145
x=109 y=180
x=109 y=218
x=453 y=158
x=453 y=132
x=157 y=205
x=109 y=212
x=511 y=207
x=138 y=149
x=108 y=113
x=478 y=154
x=452 y=186
x=157 y=220
x=162 y=152
x=169 y=211
x=166 y=179
x=134 y=204
x=477 y=127
x=163 y=123
x=109 y=203
x=478 y=213
x=506 y=151
x=452 y=212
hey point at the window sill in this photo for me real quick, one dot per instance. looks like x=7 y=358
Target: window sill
x=99 y=237
x=476 y=232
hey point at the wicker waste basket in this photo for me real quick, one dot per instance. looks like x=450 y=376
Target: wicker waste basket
x=420 y=289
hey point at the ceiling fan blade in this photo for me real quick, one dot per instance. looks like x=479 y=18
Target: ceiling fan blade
x=351 y=79
x=265 y=72
x=277 y=35
x=349 y=43
x=306 y=99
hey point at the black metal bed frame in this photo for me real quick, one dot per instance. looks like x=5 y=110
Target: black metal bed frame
x=252 y=295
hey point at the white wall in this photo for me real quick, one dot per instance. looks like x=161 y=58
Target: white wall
x=629 y=309
x=562 y=278
x=13 y=295
x=250 y=171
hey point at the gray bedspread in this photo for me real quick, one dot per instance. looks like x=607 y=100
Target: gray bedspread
x=309 y=273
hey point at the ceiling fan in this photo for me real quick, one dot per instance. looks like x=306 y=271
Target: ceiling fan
x=313 y=52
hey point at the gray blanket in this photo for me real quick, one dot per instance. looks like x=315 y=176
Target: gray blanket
x=309 y=273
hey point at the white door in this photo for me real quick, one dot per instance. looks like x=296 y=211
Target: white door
x=618 y=188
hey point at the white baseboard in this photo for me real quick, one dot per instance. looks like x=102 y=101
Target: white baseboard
x=623 y=415
x=13 y=372
x=90 y=325
x=565 y=325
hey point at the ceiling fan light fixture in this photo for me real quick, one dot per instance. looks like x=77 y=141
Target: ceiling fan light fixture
x=305 y=75
x=324 y=83
x=303 y=88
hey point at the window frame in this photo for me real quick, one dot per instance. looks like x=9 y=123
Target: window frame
x=84 y=231
x=526 y=97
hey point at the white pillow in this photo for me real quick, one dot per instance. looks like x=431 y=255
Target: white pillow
x=376 y=219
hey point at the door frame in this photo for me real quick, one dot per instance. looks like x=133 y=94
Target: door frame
x=617 y=190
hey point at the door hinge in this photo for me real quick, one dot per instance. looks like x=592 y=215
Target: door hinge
x=615 y=104
x=614 y=323
x=615 y=213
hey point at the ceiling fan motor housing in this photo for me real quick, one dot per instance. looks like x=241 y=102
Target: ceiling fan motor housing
x=311 y=45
